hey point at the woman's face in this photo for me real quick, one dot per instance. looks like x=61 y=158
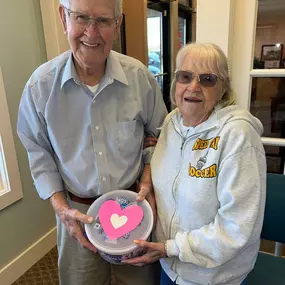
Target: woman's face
x=194 y=100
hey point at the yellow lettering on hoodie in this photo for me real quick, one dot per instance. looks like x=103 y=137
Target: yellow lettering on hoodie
x=209 y=172
x=214 y=143
x=204 y=144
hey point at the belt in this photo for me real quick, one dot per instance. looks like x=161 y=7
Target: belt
x=89 y=201
x=86 y=201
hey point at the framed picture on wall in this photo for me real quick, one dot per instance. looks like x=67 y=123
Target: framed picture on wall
x=119 y=44
x=272 y=55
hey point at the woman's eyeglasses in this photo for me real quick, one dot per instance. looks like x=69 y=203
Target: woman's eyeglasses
x=186 y=77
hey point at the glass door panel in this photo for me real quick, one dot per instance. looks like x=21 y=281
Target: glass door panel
x=268 y=104
x=181 y=32
x=158 y=29
x=184 y=24
x=270 y=35
x=154 y=40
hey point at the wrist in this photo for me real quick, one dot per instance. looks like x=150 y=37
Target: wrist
x=59 y=202
x=146 y=176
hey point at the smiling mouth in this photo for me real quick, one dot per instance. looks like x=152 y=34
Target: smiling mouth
x=192 y=100
x=90 y=45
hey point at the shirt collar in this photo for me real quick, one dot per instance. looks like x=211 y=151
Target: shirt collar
x=114 y=70
x=69 y=72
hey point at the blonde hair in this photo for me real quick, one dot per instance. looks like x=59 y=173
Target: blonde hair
x=212 y=58
x=118 y=6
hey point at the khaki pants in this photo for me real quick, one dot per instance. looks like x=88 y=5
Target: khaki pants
x=80 y=266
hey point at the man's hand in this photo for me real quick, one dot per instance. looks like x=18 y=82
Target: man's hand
x=145 y=191
x=154 y=251
x=149 y=141
x=72 y=219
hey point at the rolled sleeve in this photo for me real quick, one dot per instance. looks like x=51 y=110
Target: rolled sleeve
x=172 y=249
x=48 y=184
x=147 y=154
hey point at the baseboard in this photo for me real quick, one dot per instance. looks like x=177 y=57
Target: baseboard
x=17 y=267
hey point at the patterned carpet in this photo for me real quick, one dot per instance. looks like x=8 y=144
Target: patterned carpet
x=45 y=272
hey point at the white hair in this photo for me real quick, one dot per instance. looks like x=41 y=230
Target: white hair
x=212 y=58
x=118 y=6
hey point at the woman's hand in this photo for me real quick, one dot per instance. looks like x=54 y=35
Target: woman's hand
x=154 y=251
x=72 y=219
x=145 y=191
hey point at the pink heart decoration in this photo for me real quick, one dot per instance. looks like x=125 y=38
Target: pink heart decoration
x=117 y=222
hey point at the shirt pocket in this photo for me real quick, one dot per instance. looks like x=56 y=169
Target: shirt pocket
x=129 y=135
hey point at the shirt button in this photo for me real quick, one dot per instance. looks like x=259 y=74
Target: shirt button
x=97 y=128
x=104 y=178
x=100 y=153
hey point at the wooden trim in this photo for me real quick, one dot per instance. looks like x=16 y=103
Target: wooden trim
x=245 y=19
x=173 y=35
x=136 y=29
x=273 y=141
x=267 y=73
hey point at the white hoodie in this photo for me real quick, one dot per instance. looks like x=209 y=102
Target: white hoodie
x=210 y=195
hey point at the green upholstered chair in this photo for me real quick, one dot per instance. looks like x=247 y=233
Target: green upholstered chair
x=270 y=269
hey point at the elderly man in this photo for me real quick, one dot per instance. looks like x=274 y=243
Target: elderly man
x=82 y=119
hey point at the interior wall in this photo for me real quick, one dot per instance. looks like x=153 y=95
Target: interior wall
x=22 y=50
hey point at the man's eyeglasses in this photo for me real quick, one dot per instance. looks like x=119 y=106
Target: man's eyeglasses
x=186 y=77
x=85 y=20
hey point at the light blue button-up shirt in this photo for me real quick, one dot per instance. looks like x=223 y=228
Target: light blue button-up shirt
x=86 y=143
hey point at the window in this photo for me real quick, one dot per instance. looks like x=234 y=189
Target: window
x=10 y=184
x=3 y=173
x=268 y=79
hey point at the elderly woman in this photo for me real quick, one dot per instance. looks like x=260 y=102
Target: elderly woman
x=209 y=177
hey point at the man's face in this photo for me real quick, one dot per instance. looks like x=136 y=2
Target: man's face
x=90 y=42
